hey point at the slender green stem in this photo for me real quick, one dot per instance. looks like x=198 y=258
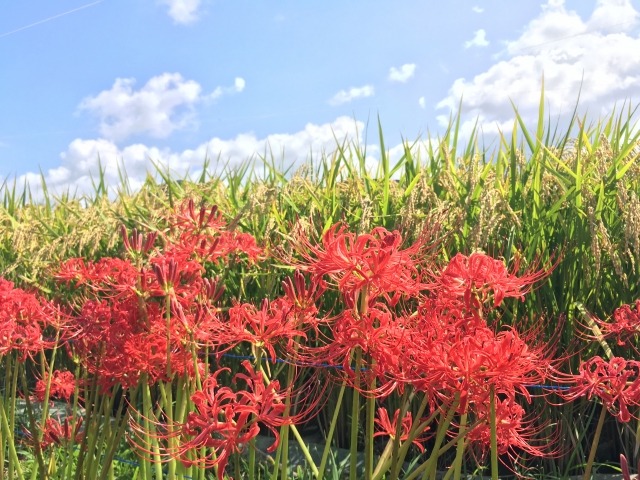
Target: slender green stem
x=36 y=431
x=370 y=430
x=332 y=428
x=301 y=443
x=389 y=457
x=13 y=455
x=355 y=423
x=252 y=442
x=284 y=432
x=150 y=428
x=594 y=444
x=457 y=465
x=494 y=435
x=443 y=427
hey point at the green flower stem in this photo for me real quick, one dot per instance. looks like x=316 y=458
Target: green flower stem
x=150 y=437
x=14 y=462
x=121 y=419
x=166 y=388
x=416 y=429
x=370 y=430
x=594 y=444
x=494 y=435
x=305 y=450
x=166 y=393
x=355 y=416
x=332 y=428
x=284 y=432
x=389 y=455
x=408 y=395
x=36 y=431
x=257 y=351
x=457 y=465
x=11 y=378
x=432 y=463
x=303 y=446
x=421 y=469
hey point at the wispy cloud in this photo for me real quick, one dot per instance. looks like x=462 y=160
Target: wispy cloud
x=422 y=102
x=164 y=104
x=479 y=39
x=346 y=96
x=50 y=18
x=402 y=74
x=477 y=9
x=183 y=11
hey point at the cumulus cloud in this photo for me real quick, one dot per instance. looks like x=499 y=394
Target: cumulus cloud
x=346 y=96
x=82 y=160
x=573 y=54
x=477 y=9
x=183 y=11
x=479 y=39
x=422 y=102
x=164 y=104
x=402 y=74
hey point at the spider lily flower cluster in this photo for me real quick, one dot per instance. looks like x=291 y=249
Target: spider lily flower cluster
x=142 y=337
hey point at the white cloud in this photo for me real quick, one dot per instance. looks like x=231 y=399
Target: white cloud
x=402 y=74
x=238 y=86
x=422 y=102
x=613 y=16
x=477 y=9
x=346 y=96
x=479 y=39
x=164 y=104
x=83 y=158
x=183 y=11
x=573 y=54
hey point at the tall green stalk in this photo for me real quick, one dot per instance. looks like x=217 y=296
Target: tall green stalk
x=494 y=435
x=460 y=448
x=355 y=416
x=594 y=444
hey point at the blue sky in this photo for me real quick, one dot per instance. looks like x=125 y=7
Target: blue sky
x=172 y=81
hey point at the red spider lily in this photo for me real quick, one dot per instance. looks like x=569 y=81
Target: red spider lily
x=478 y=277
x=67 y=432
x=389 y=428
x=615 y=382
x=224 y=421
x=137 y=244
x=303 y=299
x=373 y=334
x=125 y=327
x=61 y=385
x=265 y=401
x=625 y=324
x=204 y=235
x=176 y=276
x=264 y=327
x=119 y=341
x=107 y=275
x=373 y=262
x=472 y=363
x=514 y=433
x=195 y=222
x=23 y=319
